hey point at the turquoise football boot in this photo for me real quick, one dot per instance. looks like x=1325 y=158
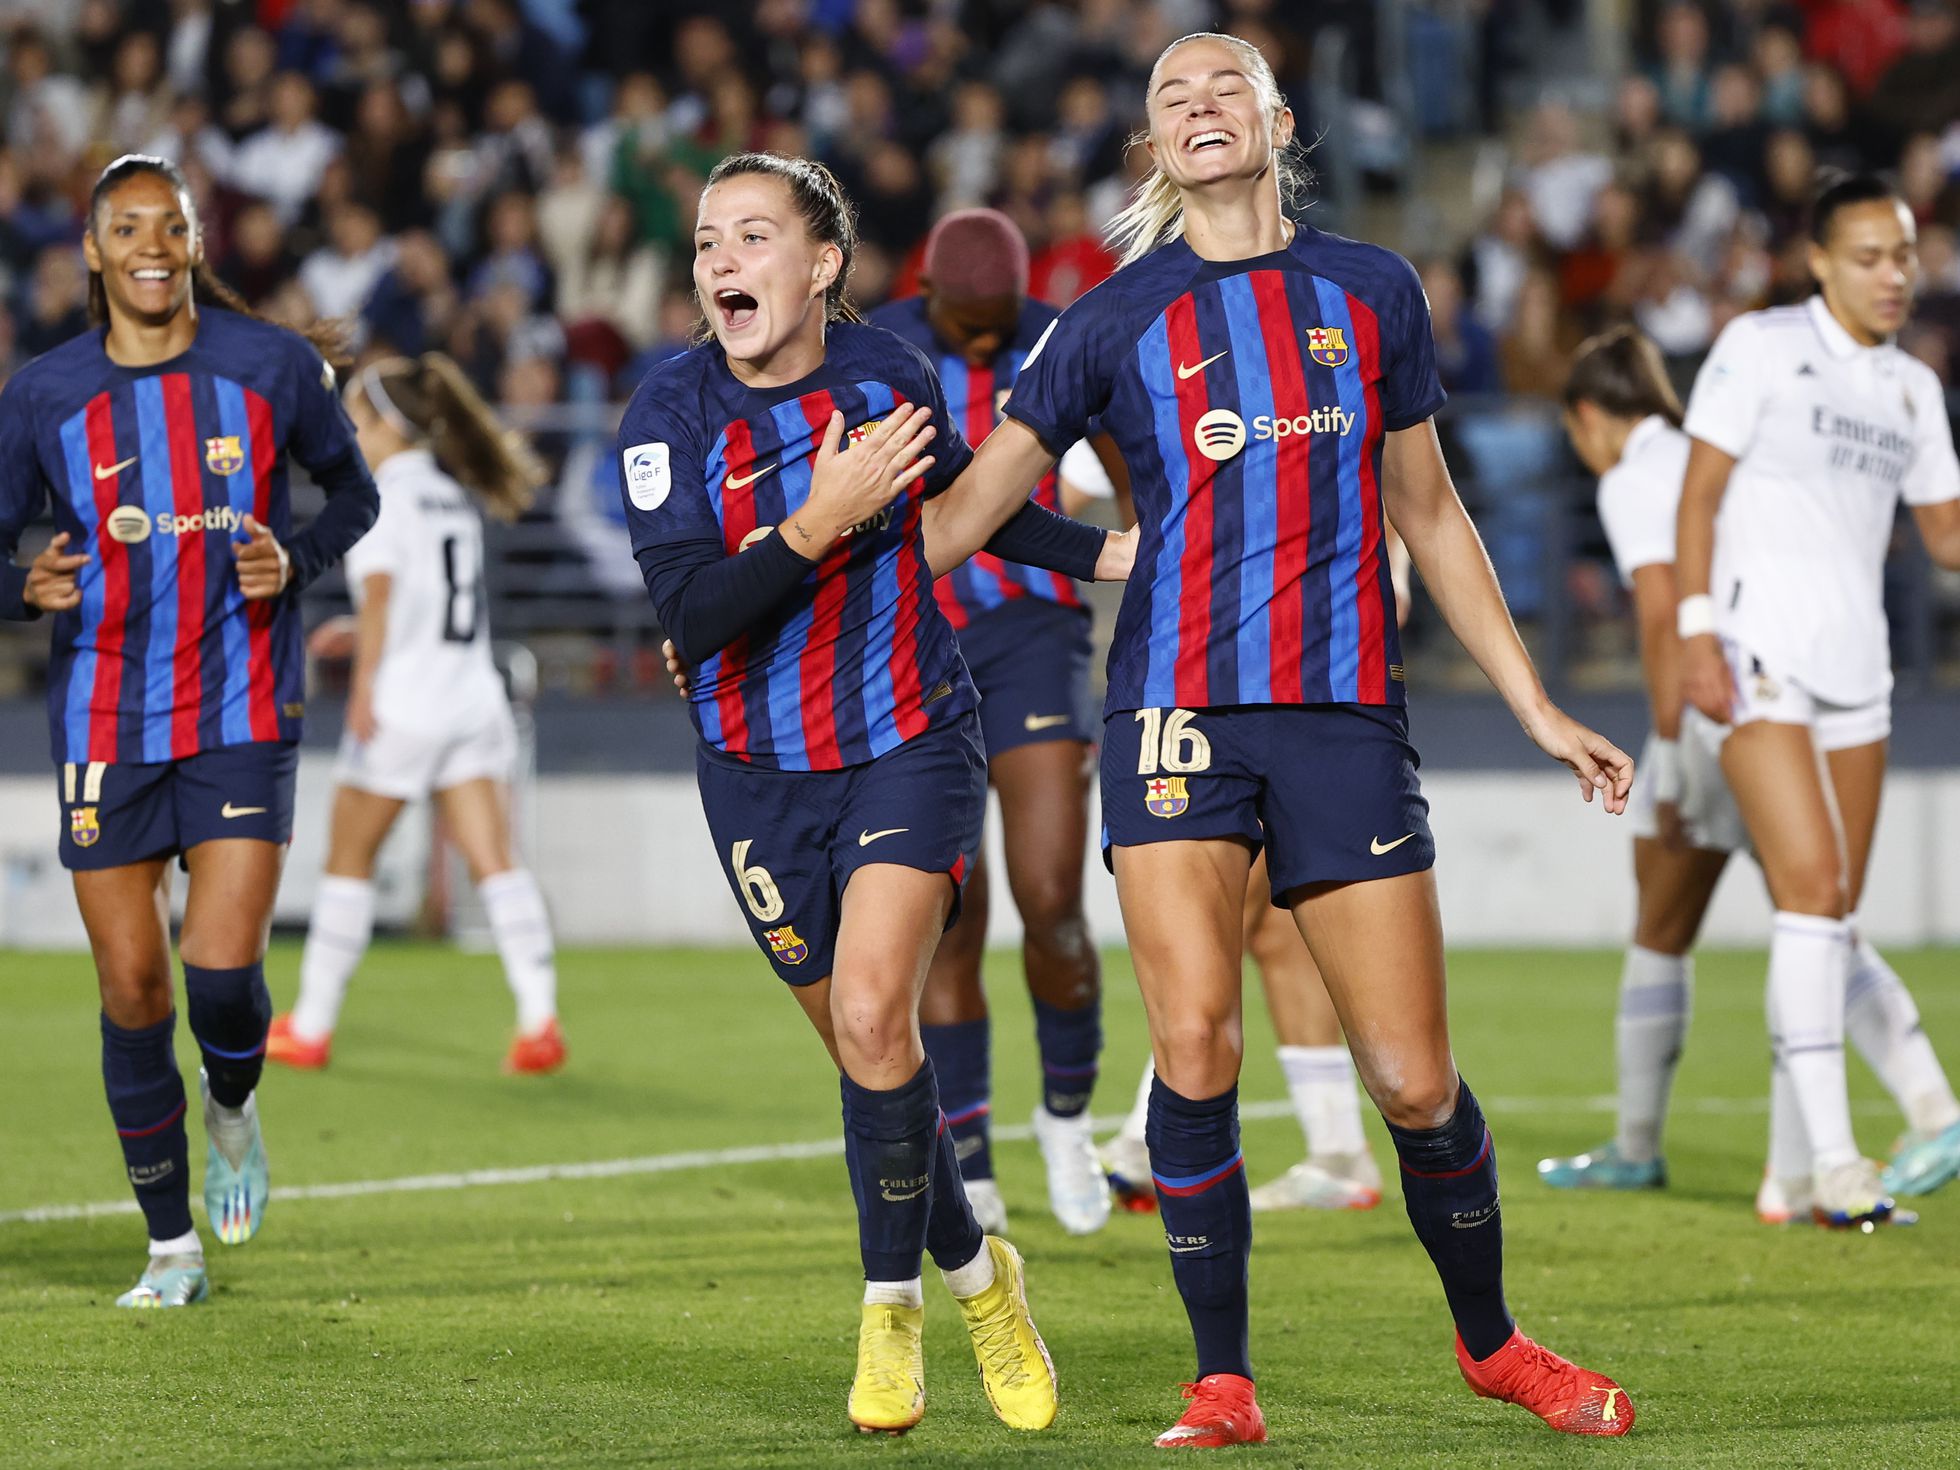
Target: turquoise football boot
x=1924 y=1163
x=169 y=1281
x=1603 y=1168
x=237 y=1183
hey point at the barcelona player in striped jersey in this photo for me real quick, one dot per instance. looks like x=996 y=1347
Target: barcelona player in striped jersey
x=780 y=508
x=163 y=438
x=1024 y=632
x=1271 y=388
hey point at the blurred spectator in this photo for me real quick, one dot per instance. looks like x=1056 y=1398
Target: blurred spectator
x=1858 y=39
x=512 y=259
x=1073 y=259
x=1737 y=133
x=1636 y=114
x=57 y=301
x=1466 y=352
x=1498 y=259
x=1560 y=178
x=1688 y=210
x=965 y=160
x=1778 y=59
x=258 y=262
x=49 y=114
x=283 y=161
x=1790 y=171
x=387 y=157
x=611 y=282
x=132 y=107
x=1681 y=75
x=415 y=304
x=1921 y=90
x=251 y=57
x=340 y=276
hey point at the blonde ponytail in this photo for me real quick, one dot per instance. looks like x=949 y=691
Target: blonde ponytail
x=438 y=402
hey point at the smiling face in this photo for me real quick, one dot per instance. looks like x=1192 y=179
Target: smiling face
x=759 y=275
x=1213 y=115
x=1868 y=266
x=144 y=241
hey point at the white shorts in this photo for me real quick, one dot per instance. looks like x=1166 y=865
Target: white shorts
x=1707 y=806
x=1764 y=693
x=409 y=764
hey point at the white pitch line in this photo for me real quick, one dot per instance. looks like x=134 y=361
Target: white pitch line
x=770 y=1153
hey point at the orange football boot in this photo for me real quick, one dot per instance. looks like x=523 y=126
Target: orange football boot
x=1223 y=1412
x=543 y=1050
x=1571 y=1399
x=292 y=1051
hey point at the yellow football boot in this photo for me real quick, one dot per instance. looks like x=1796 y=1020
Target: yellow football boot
x=1014 y=1363
x=888 y=1396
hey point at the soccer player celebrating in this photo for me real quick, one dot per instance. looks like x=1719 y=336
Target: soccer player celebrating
x=428 y=713
x=175 y=691
x=1624 y=422
x=840 y=763
x=1024 y=633
x=1270 y=387
x=1809 y=425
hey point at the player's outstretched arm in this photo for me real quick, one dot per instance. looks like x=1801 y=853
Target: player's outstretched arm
x=1422 y=501
x=1705 y=679
x=1939 y=528
x=987 y=507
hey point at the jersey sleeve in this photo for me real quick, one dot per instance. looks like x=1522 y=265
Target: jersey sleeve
x=22 y=495
x=1726 y=402
x=1067 y=377
x=662 y=466
x=1411 y=388
x=320 y=436
x=1934 y=475
x=1639 y=523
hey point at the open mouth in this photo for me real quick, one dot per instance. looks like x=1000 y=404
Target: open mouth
x=151 y=274
x=1204 y=142
x=737 y=308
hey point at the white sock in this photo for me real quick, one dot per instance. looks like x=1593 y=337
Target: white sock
x=336 y=938
x=1883 y=1023
x=1655 y=992
x=1140 y=1109
x=1326 y=1097
x=974 y=1277
x=231 y=1128
x=896 y=1293
x=186 y=1244
x=1789 y=1145
x=1807 y=965
x=523 y=933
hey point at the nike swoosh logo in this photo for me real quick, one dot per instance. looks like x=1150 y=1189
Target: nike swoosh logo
x=228 y=811
x=1378 y=847
x=1043 y=722
x=103 y=473
x=1195 y=368
x=736 y=482
x=899 y=1199
x=865 y=839
x=1185 y=1250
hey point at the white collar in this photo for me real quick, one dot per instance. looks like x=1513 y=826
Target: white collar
x=1838 y=342
x=1640 y=434
x=413 y=463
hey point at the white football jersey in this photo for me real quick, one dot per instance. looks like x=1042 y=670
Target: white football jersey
x=1827 y=436
x=436 y=672
x=1641 y=495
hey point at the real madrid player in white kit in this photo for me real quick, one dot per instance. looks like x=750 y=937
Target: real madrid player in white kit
x=1809 y=426
x=427 y=713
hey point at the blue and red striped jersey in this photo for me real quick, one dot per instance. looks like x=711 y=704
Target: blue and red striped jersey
x=1249 y=399
x=974 y=396
x=152 y=471
x=859 y=659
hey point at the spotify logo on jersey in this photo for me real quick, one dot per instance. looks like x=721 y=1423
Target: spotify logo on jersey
x=129 y=524
x=1220 y=434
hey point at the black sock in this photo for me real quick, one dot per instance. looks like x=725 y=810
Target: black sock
x=1201 y=1192
x=1449 y=1183
x=960 y=1060
x=889 y=1143
x=146 y=1099
x=1070 y=1042
x=953 y=1236
x=230 y=1010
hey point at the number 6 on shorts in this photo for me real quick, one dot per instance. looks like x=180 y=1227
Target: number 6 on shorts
x=759 y=890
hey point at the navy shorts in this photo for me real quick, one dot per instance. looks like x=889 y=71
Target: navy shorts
x=1030 y=661
x=1329 y=790
x=114 y=813
x=790 y=840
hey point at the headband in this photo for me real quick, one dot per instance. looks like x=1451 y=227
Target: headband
x=395 y=419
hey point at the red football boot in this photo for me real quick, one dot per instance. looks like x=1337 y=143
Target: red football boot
x=1571 y=1399
x=1223 y=1412
x=292 y=1051
x=543 y=1050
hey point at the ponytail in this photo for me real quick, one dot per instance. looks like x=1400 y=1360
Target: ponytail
x=430 y=398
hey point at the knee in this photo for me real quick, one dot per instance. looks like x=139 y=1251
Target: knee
x=135 y=992
x=874 y=1029
x=1202 y=1044
x=1416 y=1102
x=1051 y=913
x=1271 y=939
x=1814 y=887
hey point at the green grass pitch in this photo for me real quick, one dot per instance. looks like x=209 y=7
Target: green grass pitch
x=705 y=1316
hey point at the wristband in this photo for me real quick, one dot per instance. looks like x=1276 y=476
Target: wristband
x=1695 y=616
x=1664 y=760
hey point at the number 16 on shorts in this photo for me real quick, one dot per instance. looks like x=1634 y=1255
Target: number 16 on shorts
x=1170 y=742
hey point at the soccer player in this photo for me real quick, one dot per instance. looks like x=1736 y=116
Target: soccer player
x=428 y=713
x=1270 y=387
x=840 y=762
x=1809 y=425
x=1024 y=633
x=1624 y=422
x=163 y=436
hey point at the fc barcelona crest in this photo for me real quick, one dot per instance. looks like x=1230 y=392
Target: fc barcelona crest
x=1166 y=796
x=786 y=945
x=1327 y=345
x=223 y=455
x=83 y=826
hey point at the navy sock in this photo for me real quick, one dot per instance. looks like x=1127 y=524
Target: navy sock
x=1070 y=1042
x=1201 y=1192
x=960 y=1060
x=1449 y=1183
x=230 y=1010
x=953 y=1236
x=890 y=1138
x=146 y=1099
